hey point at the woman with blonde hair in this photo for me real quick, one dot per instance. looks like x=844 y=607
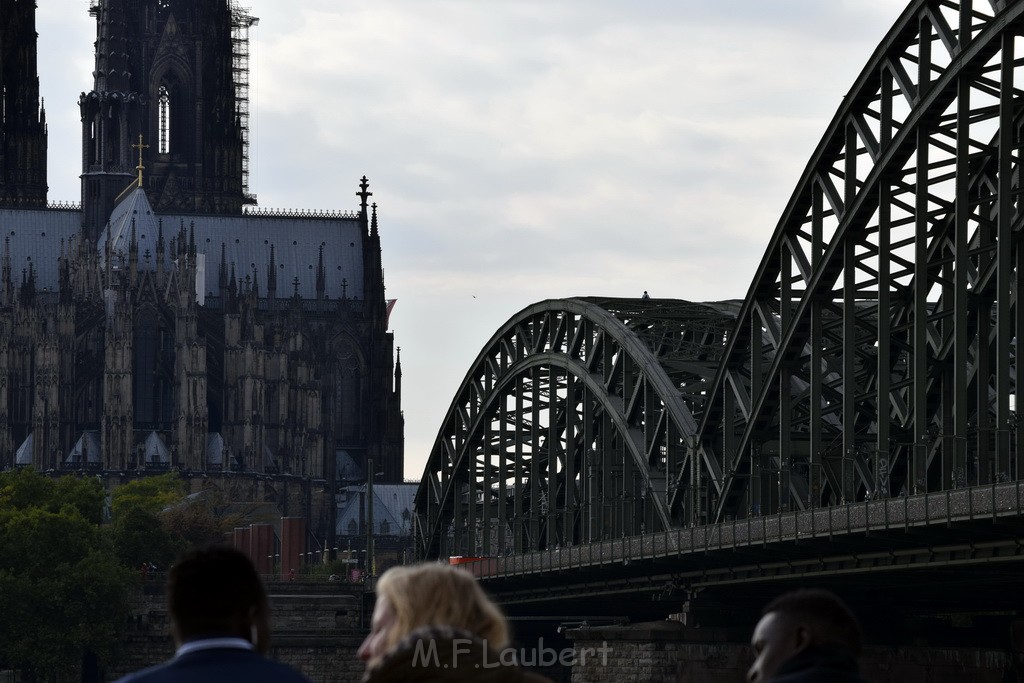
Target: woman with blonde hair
x=433 y=622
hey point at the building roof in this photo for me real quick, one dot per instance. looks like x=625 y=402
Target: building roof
x=134 y=211
x=392 y=509
x=24 y=454
x=246 y=242
x=89 y=445
x=36 y=237
x=214 y=449
x=156 y=451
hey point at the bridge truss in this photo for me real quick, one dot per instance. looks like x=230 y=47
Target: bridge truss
x=569 y=425
x=873 y=356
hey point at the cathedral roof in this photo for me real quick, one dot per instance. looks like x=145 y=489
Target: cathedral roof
x=24 y=454
x=214 y=449
x=246 y=241
x=36 y=237
x=89 y=446
x=296 y=240
x=133 y=212
x=156 y=450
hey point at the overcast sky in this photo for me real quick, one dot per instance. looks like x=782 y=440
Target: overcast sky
x=524 y=150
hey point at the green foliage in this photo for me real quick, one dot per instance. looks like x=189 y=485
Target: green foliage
x=22 y=489
x=62 y=591
x=151 y=494
x=84 y=493
x=65 y=577
x=154 y=521
x=141 y=537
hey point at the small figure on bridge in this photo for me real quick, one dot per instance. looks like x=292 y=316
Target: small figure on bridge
x=433 y=622
x=646 y=295
x=806 y=636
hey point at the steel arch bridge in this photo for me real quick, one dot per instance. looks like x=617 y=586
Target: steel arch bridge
x=873 y=356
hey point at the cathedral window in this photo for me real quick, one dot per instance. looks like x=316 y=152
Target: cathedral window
x=164 y=106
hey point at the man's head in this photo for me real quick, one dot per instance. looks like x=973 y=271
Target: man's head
x=216 y=591
x=797 y=620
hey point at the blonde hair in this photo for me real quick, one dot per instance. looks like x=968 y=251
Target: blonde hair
x=434 y=594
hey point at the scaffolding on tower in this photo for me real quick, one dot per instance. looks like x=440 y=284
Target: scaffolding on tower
x=241 y=22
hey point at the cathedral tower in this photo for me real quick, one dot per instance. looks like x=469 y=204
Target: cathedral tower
x=168 y=71
x=269 y=375
x=22 y=119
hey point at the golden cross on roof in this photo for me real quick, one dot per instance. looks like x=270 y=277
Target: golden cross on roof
x=140 y=167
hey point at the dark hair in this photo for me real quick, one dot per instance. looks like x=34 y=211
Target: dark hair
x=830 y=620
x=213 y=590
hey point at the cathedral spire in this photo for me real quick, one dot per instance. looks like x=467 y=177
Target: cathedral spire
x=222 y=276
x=140 y=168
x=109 y=115
x=272 y=276
x=373 y=222
x=8 y=284
x=22 y=118
x=398 y=376
x=232 y=289
x=364 y=194
x=321 y=276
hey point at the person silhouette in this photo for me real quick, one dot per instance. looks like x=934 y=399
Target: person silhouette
x=220 y=623
x=806 y=636
x=437 y=609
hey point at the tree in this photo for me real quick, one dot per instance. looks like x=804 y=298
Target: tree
x=23 y=489
x=154 y=521
x=140 y=536
x=152 y=494
x=137 y=529
x=62 y=592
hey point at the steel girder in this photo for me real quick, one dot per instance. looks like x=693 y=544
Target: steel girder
x=571 y=425
x=875 y=353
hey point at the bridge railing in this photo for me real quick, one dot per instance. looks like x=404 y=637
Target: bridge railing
x=998 y=500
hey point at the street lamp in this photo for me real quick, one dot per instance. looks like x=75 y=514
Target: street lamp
x=370 y=476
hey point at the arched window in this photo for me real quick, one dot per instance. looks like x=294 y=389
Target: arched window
x=164 y=106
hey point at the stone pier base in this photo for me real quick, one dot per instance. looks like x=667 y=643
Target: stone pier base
x=668 y=652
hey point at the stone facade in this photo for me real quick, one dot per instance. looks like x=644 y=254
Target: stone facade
x=667 y=652
x=315 y=628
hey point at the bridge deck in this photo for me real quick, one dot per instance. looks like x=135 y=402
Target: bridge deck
x=964 y=526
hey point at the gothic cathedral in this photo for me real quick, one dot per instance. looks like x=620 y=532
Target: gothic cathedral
x=166 y=323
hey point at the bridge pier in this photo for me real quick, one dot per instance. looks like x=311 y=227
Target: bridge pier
x=669 y=652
